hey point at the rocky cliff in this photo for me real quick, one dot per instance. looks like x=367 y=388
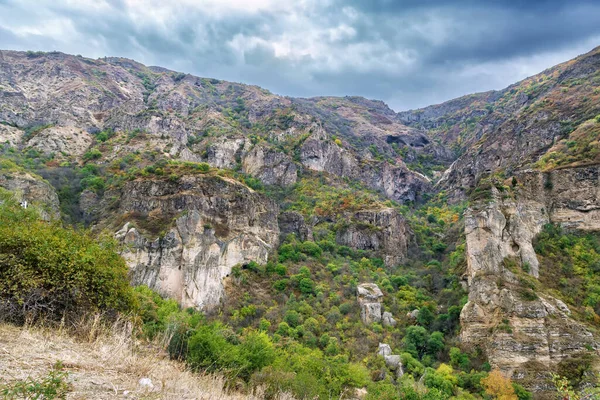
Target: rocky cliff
x=209 y=224
x=524 y=329
x=197 y=176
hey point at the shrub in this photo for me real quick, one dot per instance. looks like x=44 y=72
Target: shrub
x=293 y=318
x=307 y=286
x=203 y=167
x=55 y=272
x=311 y=249
x=52 y=386
x=415 y=340
x=459 y=359
x=92 y=154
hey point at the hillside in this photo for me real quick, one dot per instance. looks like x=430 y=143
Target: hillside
x=544 y=117
x=405 y=254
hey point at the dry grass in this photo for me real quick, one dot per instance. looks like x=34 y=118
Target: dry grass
x=106 y=365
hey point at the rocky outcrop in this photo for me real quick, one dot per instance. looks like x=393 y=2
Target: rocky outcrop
x=384 y=231
x=225 y=152
x=31 y=190
x=320 y=153
x=387 y=319
x=61 y=141
x=392 y=361
x=292 y=222
x=272 y=167
x=210 y=225
x=522 y=330
x=10 y=135
x=369 y=299
x=571 y=196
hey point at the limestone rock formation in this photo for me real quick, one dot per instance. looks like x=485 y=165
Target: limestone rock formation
x=384 y=349
x=385 y=231
x=60 y=141
x=392 y=361
x=320 y=153
x=571 y=196
x=387 y=319
x=10 y=135
x=270 y=166
x=216 y=223
x=369 y=299
x=521 y=330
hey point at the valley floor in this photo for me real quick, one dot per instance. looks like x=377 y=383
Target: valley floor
x=106 y=368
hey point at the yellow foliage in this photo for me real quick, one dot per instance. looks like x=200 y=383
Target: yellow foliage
x=498 y=386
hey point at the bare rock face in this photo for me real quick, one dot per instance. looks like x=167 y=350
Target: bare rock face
x=369 y=300
x=216 y=223
x=571 y=195
x=393 y=361
x=292 y=222
x=385 y=231
x=384 y=349
x=224 y=153
x=32 y=190
x=61 y=140
x=270 y=166
x=10 y=135
x=521 y=330
x=320 y=153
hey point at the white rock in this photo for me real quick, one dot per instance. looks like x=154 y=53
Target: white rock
x=146 y=383
x=384 y=349
x=388 y=320
x=393 y=361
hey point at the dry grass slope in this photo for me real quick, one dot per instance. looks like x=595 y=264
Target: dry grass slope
x=107 y=367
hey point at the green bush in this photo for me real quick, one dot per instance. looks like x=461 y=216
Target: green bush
x=311 y=249
x=307 y=286
x=54 y=272
x=92 y=154
x=52 y=386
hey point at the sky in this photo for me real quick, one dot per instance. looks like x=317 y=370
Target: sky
x=408 y=53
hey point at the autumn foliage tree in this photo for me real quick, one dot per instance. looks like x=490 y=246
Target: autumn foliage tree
x=498 y=386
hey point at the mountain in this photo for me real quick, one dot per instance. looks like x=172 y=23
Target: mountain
x=463 y=233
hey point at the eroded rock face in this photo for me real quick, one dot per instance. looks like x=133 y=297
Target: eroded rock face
x=385 y=231
x=320 y=153
x=61 y=140
x=10 y=135
x=270 y=166
x=571 y=196
x=217 y=223
x=369 y=299
x=521 y=331
x=292 y=222
x=32 y=190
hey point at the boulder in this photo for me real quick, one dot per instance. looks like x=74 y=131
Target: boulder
x=384 y=349
x=388 y=320
x=369 y=299
x=393 y=361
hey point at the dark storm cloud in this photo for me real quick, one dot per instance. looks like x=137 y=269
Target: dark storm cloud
x=408 y=53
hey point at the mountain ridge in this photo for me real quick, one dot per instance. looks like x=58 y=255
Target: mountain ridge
x=268 y=212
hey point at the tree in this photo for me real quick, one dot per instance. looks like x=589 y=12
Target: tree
x=415 y=340
x=498 y=386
